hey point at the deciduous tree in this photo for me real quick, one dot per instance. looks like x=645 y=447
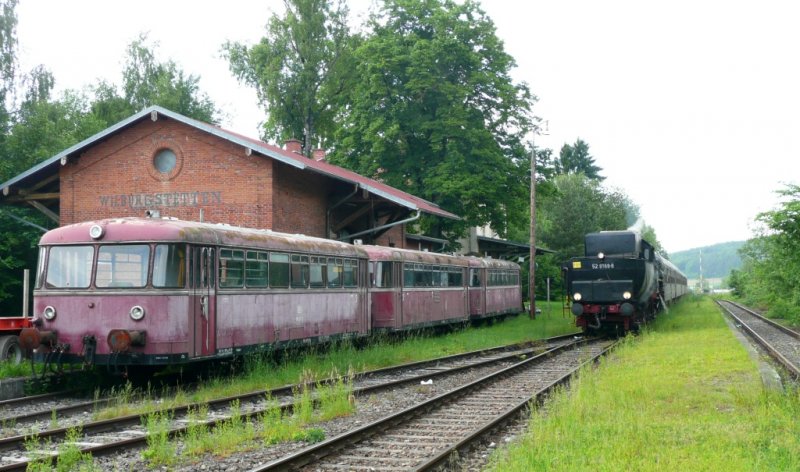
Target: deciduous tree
x=299 y=70
x=580 y=206
x=146 y=81
x=435 y=111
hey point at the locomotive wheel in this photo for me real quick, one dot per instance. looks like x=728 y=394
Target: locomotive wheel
x=10 y=349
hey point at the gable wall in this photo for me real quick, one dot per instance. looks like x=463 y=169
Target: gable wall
x=117 y=178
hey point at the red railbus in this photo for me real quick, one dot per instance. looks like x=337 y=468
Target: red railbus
x=148 y=291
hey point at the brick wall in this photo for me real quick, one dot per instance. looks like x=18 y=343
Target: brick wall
x=116 y=178
x=394 y=236
x=300 y=201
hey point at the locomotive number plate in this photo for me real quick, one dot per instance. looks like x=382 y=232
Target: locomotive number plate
x=607 y=265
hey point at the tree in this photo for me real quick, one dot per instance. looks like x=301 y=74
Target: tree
x=8 y=61
x=147 y=82
x=582 y=206
x=299 y=69
x=649 y=235
x=575 y=159
x=435 y=112
x=770 y=273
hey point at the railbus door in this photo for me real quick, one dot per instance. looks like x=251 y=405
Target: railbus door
x=205 y=302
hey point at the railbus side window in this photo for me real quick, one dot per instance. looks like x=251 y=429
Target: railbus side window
x=474 y=278
x=40 y=268
x=299 y=271
x=350 y=275
x=455 y=277
x=169 y=266
x=317 y=273
x=382 y=276
x=335 y=270
x=122 y=265
x=257 y=269
x=278 y=270
x=408 y=275
x=231 y=268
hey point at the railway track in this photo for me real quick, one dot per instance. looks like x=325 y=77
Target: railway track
x=780 y=342
x=427 y=435
x=109 y=436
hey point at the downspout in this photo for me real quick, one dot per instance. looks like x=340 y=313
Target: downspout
x=378 y=228
x=336 y=205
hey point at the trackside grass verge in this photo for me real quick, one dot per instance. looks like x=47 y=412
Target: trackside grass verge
x=263 y=372
x=682 y=396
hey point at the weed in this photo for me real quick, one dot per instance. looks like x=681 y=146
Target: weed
x=196 y=432
x=303 y=404
x=53 y=419
x=159 y=449
x=70 y=457
x=275 y=427
x=311 y=435
x=40 y=461
x=336 y=399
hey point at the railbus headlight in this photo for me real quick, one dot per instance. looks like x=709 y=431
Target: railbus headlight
x=626 y=295
x=96 y=231
x=49 y=313
x=137 y=313
x=577 y=297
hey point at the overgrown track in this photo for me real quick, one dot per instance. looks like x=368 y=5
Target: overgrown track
x=108 y=436
x=781 y=343
x=427 y=435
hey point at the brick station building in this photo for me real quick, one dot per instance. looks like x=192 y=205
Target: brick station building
x=161 y=161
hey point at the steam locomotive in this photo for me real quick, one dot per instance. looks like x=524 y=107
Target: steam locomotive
x=620 y=282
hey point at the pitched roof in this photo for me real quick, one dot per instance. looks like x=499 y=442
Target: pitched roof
x=295 y=160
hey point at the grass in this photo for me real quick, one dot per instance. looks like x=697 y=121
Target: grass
x=240 y=433
x=264 y=372
x=684 y=395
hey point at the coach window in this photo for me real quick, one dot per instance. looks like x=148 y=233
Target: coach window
x=382 y=274
x=474 y=278
x=278 y=270
x=317 y=272
x=299 y=271
x=231 y=268
x=256 y=269
x=122 y=266
x=408 y=275
x=334 y=272
x=169 y=266
x=350 y=275
x=455 y=277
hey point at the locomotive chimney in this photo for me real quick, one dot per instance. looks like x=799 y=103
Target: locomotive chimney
x=294 y=145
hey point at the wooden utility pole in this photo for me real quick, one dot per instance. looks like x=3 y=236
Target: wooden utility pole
x=532 y=258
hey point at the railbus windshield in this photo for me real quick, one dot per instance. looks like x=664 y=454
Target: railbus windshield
x=117 y=266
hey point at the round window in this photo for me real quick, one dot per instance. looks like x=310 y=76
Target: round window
x=165 y=161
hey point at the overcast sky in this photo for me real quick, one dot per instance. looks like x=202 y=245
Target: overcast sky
x=690 y=107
